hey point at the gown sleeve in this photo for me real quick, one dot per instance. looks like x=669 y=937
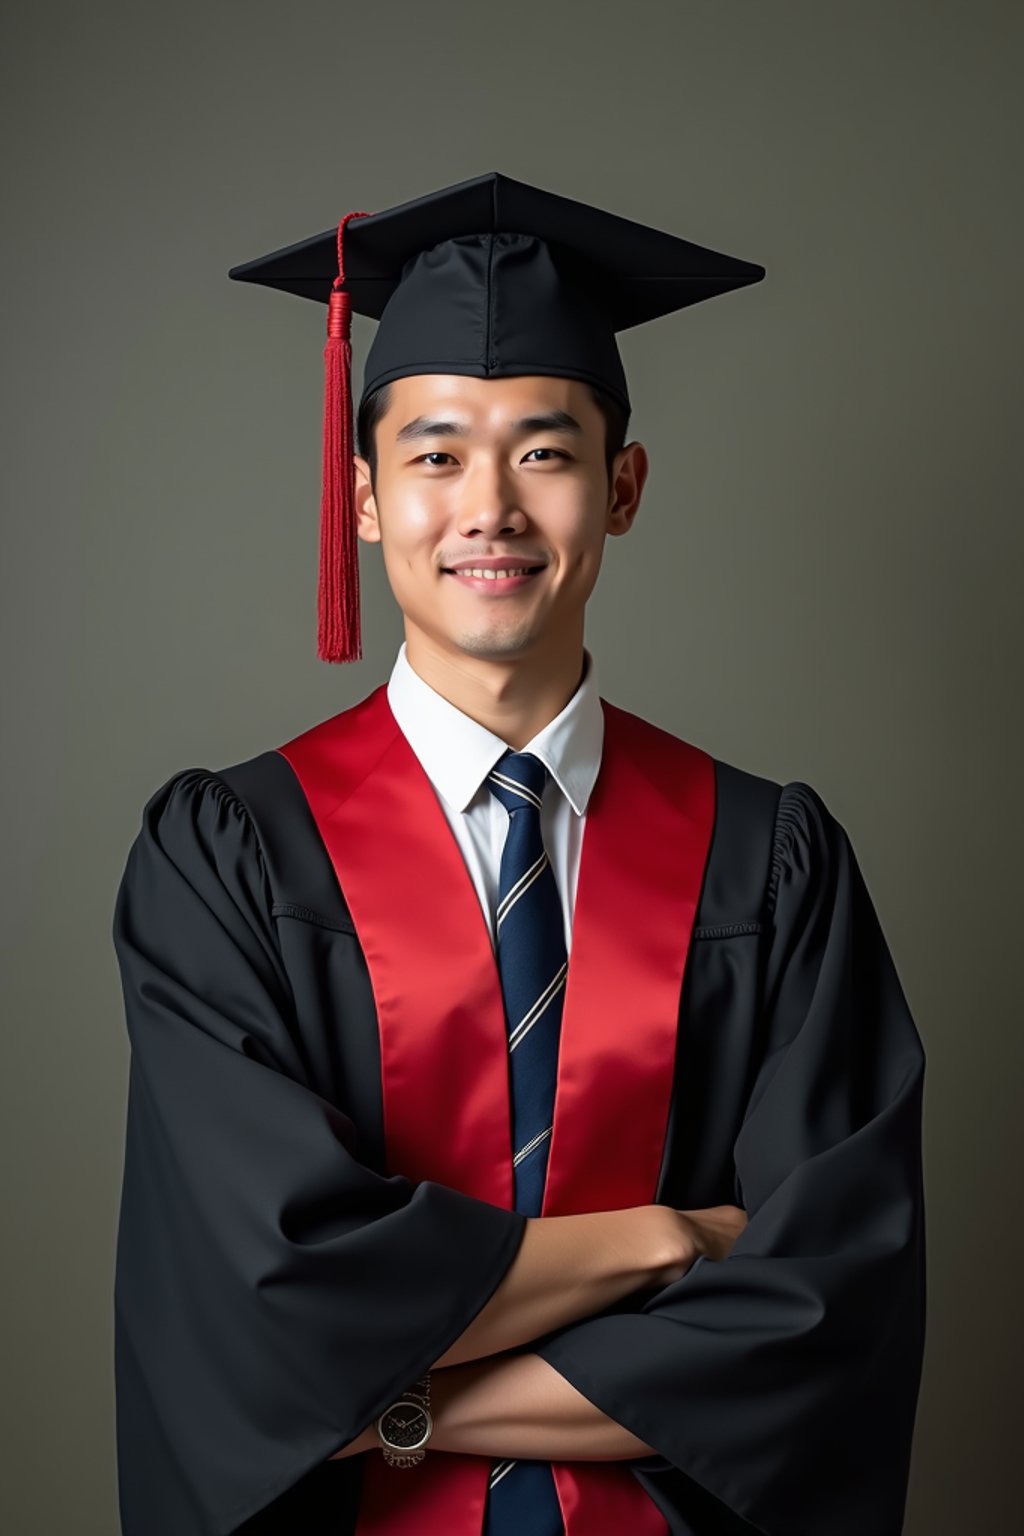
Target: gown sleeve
x=272 y=1294
x=782 y=1381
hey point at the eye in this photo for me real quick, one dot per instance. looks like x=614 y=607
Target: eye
x=437 y=454
x=556 y=451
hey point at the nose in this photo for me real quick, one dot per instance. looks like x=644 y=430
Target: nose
x=487 y=504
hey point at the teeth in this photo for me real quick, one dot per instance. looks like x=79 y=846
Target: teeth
x=495 y=575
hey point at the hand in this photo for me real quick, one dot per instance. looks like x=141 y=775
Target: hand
x=708 y=1232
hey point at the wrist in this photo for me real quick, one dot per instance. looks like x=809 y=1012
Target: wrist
x=405 y=1427
x=457 y=1395
x=644 y=1246
x=671 y=1244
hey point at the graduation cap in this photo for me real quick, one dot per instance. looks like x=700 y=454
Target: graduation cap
x=489 y=277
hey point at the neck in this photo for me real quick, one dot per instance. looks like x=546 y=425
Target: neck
x=513 y=698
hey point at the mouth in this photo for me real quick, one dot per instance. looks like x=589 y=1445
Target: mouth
x=495 y=583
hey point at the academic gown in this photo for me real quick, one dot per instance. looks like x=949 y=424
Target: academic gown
x=278 y=1284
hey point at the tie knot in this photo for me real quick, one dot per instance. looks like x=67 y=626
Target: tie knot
x=517 y=780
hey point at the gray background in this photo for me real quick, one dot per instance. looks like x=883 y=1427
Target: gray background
x=823 y=581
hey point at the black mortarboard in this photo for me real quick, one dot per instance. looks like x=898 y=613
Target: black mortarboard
x=489 y=277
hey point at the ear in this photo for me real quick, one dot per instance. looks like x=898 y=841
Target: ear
x=629 y=474
x=367 y=526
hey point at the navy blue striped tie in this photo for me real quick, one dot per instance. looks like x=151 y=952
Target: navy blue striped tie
x=532 y=962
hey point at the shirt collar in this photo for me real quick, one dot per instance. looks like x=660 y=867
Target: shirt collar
x=457 y=752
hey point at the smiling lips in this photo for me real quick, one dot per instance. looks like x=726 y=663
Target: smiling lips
x=493 y=582
x=495 y=574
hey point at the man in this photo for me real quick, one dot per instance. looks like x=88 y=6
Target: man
x=524 y=1121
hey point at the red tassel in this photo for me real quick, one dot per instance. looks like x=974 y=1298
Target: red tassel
x=338 y=636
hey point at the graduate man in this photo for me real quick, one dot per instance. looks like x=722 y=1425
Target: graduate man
x=524 y=1116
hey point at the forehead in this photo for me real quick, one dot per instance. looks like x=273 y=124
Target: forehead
x=482 y=405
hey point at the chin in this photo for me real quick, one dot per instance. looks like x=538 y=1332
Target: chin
x=495 y=645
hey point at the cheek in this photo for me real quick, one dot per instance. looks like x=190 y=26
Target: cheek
x=410 y=528
x=419 y=518
x=578 y=531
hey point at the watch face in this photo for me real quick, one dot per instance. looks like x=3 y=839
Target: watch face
x=405 y=1425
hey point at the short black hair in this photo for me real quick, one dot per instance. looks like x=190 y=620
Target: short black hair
x=616 y=424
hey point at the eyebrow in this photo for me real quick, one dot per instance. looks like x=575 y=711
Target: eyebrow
x=429 y=426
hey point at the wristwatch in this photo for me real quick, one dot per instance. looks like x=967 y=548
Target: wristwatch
x=404 y=1428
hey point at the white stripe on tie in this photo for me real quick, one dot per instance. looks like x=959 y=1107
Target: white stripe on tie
x=516 y=788
x=531 y=1146
x=521 y=886
x=550 y=991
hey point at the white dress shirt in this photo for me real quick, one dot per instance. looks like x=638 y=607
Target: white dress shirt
x=457 y=753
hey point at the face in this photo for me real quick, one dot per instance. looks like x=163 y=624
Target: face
x=472 y=471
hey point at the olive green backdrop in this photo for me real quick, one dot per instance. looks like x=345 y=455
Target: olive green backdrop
x=823 y=582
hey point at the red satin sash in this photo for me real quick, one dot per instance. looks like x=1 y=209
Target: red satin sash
x=443 y=1039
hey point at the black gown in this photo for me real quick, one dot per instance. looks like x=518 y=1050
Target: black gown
x=275 y=1289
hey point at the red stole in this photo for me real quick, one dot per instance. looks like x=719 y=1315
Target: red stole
x=443 y=1038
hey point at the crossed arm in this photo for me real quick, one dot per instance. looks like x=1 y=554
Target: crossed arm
x=517 y=1406
x=490 y=1396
